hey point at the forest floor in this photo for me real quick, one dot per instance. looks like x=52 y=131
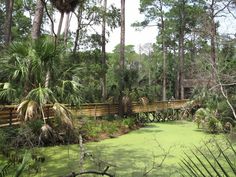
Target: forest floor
x=132 y=154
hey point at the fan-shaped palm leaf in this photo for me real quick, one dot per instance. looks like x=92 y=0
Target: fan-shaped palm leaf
x=143 y=100
x=19 y=49
x=69 y=91
x=7 y=94
x=28 y=110
x=46 y=132
x=63 y=114
x=41 y=95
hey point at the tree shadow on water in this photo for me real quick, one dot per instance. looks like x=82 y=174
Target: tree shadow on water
x=177 y=122
x=133 y=163
x=144 y=131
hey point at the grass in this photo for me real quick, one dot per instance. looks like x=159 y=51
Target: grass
x=134 y=153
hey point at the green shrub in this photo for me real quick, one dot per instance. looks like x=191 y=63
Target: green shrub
x=206 y=118
x=112 y=128
x=212 y=125
x=3 y=140
x=35 y=126
x=200 y=116
x=91 y=129
x=7 y=136
x=129 y=122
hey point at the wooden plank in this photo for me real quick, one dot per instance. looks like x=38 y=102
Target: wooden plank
x=8 y=114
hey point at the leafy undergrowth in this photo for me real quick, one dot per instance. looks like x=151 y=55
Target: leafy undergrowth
x=103 y=129
x=132 y=154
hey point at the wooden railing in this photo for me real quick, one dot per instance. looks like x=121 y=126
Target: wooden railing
x=8 y=113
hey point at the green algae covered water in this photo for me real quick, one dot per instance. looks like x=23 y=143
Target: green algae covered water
x=154 y=150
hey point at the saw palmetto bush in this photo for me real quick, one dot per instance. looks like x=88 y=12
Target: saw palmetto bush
x=213 y=159
x=40 y=64
x=207 y=119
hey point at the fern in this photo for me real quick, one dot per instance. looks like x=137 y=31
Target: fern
x=4 y=169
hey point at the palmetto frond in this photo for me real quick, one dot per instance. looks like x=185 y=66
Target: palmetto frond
x=209 y=163
x=68 y=91
x=41 y=95
x=45 y=50
x=46 y=132
x=28 y=110
x=63 y=114
x=7 y=93
x=143 y=100
x=18 y=49
x=16 y=63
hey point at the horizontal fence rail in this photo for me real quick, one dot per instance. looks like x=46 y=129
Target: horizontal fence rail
x=9 y=116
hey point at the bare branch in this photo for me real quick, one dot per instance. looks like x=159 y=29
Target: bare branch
x=100 y=173
x=154 y=166
x=225 y=6
x=219 y=85
x=223 y=91
x=228 y=102
x=49 y=16
x=231 y=12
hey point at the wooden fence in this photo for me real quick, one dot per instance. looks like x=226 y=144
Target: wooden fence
x=8 y=113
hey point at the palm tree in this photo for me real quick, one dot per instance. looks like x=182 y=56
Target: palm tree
x=24 y=69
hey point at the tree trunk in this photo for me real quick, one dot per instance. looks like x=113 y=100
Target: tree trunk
x=213 y=46
x=177 y=75
x=66 y=29
x=149 y=71
x=164 y=73
x=47 y=79
x=181 y=63
x=164 y=56
x=181 y=49
x=60 y=25
x=103 y=79
x=122 y=57
x=8 y=21
x=75 y=48
x=38 y=19
x=122 y=36
x=76 y=44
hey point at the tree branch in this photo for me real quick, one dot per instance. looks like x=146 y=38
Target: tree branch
x=50 y=18
x=100 y=173
x=225 y=6
x=228 y=102
x=219 y=85
x=231 y=12
x=223 y=91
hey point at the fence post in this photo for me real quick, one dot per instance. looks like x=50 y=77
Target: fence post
x=109 y=112
x=95 y=112
x=48 y=112
x=10 y=118
x=177 y=114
